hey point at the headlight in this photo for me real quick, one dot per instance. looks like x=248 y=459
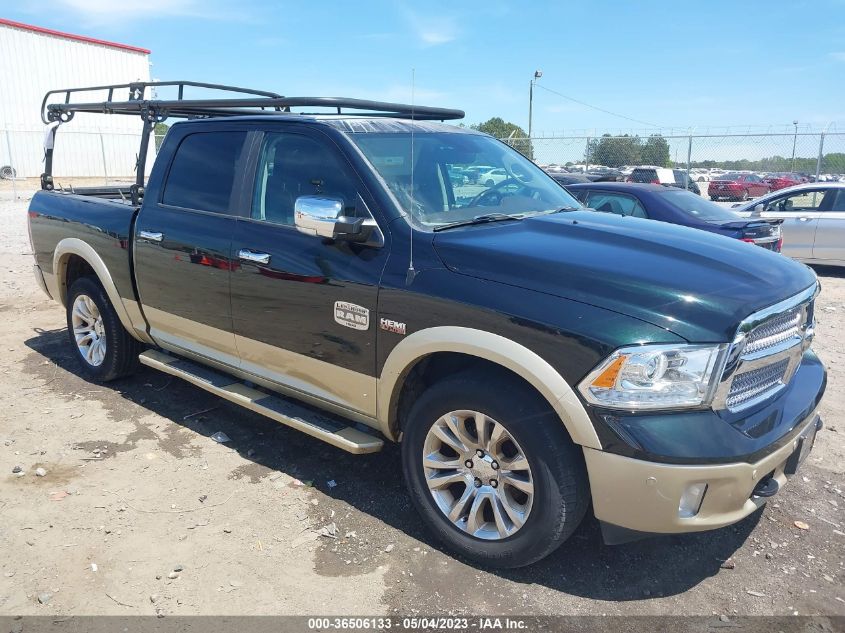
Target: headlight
x=655 y=377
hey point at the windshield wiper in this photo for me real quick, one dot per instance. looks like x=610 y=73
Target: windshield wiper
x=478 y=219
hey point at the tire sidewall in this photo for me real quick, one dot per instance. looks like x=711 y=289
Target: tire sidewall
x=524 y=420
x=111 y=324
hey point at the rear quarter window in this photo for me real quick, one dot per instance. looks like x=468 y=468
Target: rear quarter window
x=618 y=204
x=202 y=174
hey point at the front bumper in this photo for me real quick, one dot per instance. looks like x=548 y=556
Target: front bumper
x=649 y=460
x=645 y=496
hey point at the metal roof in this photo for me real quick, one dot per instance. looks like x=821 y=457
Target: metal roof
x=71 y=36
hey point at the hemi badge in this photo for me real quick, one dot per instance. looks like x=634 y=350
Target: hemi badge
x=392 y=326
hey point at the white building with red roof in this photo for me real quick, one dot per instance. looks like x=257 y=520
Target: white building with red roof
x=34 y=60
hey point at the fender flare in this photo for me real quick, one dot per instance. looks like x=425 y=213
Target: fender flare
x=74 y=246
x=496 y=349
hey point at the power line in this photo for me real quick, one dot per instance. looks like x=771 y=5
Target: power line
x=621 y=116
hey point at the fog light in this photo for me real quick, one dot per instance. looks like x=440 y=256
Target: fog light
x=691 y=500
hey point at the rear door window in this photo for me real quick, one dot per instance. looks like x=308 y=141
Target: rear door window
x=202 y=174
x=617 y=203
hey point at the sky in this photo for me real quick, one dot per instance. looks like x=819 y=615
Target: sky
x=607 y=66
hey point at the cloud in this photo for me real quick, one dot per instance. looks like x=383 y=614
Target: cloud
x=433 y=30
x=838 y=56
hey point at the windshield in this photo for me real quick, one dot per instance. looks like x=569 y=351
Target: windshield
x=695 y=206
x=458 y=176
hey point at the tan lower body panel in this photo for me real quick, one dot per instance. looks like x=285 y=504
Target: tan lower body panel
x=350 y=389
x=289 y=413
x=344 y=391
x=645 y=496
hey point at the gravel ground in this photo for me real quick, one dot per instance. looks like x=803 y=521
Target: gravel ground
x=140 y=512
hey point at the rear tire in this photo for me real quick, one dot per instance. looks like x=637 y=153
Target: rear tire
x=489 y=183
x=554 y=470
x=103 y=347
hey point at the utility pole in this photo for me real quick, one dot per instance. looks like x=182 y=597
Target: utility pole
x=537 y=75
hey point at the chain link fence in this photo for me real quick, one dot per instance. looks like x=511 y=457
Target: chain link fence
x=808 y=155
x=81 y=158
x=85 y=157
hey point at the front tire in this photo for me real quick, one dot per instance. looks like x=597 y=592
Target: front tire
x=103 y=347
x=492 y=471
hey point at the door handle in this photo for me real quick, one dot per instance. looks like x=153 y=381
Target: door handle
x=804 y=218
x=251 y=256
x=152 y=236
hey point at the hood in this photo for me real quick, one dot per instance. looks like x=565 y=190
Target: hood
x=696 y=284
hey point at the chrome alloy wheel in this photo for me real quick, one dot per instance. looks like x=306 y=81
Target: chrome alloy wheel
x=89 y=330
x=478 y=475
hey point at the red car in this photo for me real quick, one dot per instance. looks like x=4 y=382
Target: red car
x=737 y=187
x=782 y=181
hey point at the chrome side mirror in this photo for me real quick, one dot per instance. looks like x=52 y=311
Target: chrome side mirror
x=757 y=211
x=323 y=217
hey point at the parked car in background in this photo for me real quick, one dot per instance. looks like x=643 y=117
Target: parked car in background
x=700 y=175
x=673 y=205
x=685 y=181
x=737 y=186
x=457 y=176
x=653 y=175
x=564 y=178
x=473 y=173
x=605 y=174
x=813 y=216
x=783 y=180
x=663 y=176
x=492 y=177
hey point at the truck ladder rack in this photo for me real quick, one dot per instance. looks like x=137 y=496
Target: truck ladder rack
x=60 y=106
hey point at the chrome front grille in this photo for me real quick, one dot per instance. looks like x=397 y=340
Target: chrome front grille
x=750 y=385
x=775 y=331
x=766 y=352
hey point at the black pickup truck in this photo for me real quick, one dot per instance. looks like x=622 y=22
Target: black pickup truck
x=532 y=357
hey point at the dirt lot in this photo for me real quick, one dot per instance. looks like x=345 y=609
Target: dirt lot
x=141 y=512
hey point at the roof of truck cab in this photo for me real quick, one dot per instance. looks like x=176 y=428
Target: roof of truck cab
x=344 y=123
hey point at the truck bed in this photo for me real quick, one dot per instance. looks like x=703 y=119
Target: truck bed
x=104 y=223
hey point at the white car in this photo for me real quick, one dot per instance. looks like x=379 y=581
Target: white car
x=813 y=220
x=492 y=177
x=700 y=175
